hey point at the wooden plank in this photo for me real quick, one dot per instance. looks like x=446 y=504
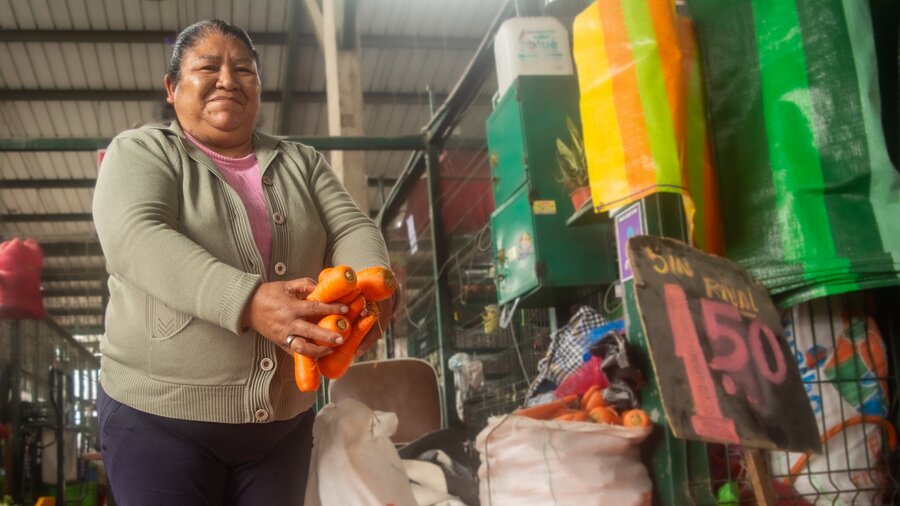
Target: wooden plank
x=760 y=480
x=724 y=370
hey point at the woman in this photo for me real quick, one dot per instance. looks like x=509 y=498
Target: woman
x=211 y=232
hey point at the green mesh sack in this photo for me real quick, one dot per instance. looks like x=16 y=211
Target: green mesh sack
x=810 y=198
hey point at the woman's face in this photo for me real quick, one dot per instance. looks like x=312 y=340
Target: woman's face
x=217 y=96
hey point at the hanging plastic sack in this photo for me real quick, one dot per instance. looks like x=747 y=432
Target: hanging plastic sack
x=21 y=263
x=468 y=377
x=843 y=365
x=697 y=155
x=353 y=459
x=812 y=196
x=539 y=462
x=568 y=345
x=643 y=111
x=629 y=76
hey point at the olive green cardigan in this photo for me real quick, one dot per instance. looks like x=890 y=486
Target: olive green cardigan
x=183 y=264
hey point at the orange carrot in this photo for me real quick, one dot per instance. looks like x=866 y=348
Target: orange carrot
x=306 y=373
x=376 y=283
x=335 y=323
x=355 y=307
x=595 y=401
x=579 y=416
x=636 y=418
x=573 y=415
x=336 y=283
x=547 y=409
x=335 y=365
x=587 y=395
x=602 y=414
x=346 y=299
x=323 y=274
x=306 y=369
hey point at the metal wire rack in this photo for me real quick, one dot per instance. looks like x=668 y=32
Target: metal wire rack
x=857 y=466
x=844 y=346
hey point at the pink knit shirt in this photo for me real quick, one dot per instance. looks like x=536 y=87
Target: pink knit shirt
x=243 y=175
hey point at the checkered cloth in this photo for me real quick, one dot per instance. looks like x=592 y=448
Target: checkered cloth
x=567 y=348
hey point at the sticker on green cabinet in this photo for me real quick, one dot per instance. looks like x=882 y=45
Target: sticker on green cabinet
x=543 y=207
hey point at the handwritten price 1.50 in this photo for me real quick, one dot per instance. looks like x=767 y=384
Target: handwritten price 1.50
x=739 y=358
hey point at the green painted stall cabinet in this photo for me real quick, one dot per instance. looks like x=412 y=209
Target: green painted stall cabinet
x=537 y=257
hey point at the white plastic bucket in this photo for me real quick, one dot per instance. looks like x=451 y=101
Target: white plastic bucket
x=531 y=46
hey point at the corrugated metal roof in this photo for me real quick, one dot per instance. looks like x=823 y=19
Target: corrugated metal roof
x=93 y=68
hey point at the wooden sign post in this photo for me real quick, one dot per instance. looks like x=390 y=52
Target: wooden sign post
x=724 y=370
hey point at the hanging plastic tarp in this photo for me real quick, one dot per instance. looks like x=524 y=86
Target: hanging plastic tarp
x=811 y=198
x=643 y=111
x=20 y=280
x=697 y=158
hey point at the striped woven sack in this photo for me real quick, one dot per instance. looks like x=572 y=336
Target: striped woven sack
x=812 y=198
x=643 y=112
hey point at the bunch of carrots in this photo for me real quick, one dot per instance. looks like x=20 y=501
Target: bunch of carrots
x=358 y=290
x=588 y=407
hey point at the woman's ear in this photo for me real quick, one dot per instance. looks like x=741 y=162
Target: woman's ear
x=170 y=89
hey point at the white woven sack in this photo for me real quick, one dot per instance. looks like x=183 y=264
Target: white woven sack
x=354 y=461
x=537 y=462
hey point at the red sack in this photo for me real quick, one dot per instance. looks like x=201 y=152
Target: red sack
x=20 y=280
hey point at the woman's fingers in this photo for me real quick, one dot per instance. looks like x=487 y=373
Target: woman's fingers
x=300 y=287
x=312 y=332
x=316 y=308
x=279 y=309
x=309 y=348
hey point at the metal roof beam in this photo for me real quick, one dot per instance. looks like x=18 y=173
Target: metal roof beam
x=345 y=142
x=74 y=292
x=44 y=217
x=290 y=66
x=154 y=95
x=84 y=274
x=88 y=183
x=259 y=38
x=46 y=184
x=66 y=217
x=76 y=330
x=75 y=311
x=71 y=249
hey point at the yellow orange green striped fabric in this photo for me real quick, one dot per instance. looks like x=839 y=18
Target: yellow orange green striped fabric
x=632 y=99
x=642 y=110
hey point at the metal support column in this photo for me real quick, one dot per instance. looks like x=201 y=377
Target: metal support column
x=442 y=298
x=15 y=410
x=672 y=462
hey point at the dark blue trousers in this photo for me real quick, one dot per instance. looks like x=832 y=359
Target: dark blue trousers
x=156 y=461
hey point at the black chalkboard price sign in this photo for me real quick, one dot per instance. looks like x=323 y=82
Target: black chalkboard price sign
x=724 y=369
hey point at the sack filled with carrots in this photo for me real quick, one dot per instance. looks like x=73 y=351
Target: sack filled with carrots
x=572 y=450
x=591 y=406
x=359 y=291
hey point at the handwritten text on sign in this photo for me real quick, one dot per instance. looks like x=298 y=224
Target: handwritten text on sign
x=733 y=382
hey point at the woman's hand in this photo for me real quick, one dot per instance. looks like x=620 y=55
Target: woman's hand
x=280 y=312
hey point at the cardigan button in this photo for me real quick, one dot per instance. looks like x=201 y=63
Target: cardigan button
x=262 y=415
x=267 y=180
x=278 y=218
x=280 y=268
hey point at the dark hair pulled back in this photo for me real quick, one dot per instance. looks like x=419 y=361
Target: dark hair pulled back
x=189 y=37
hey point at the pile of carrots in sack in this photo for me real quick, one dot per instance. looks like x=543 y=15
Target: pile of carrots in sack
x=588 y=407
x=358 y=290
